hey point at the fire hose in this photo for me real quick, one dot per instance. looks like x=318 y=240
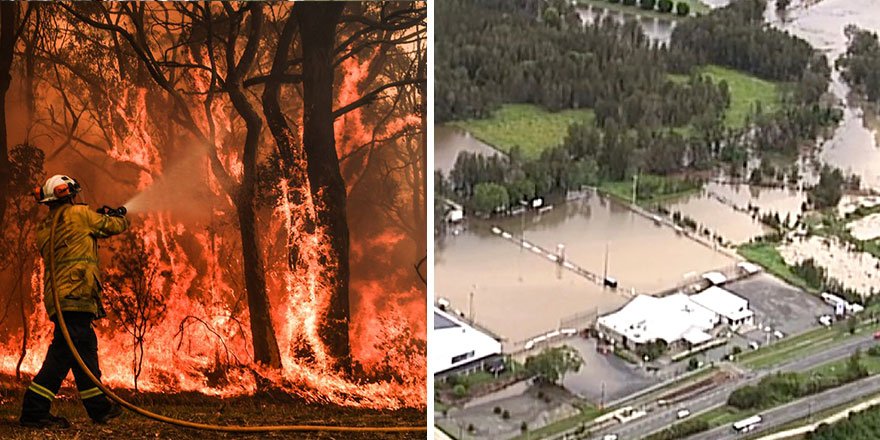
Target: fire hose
x=185 y=423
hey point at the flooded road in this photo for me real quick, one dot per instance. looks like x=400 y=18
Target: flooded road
x=520 y=295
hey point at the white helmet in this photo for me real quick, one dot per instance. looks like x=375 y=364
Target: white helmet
x=58 y=187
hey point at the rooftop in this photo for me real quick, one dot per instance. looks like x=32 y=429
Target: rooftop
x=452 y=337
x=647 y=318
x=724 y=303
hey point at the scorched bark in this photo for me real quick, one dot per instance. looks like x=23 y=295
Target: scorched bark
x=317 y=23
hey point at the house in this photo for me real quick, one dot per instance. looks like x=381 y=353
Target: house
x=733 y=309
x=459 y=348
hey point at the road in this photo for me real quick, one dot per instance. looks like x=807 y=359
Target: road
x=659 y=419
x=801 y=409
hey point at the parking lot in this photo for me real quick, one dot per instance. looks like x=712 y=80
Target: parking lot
x=605 y=377
x=778 y=306
x=536 y=406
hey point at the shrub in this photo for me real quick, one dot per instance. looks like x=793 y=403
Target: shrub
x=523 y=426
x=505 y=415
x=459 y=390
x=664 y=6
x=496 y=410
x=629 y=2
x=647 y=5
x=471 y=427
x=682 y=9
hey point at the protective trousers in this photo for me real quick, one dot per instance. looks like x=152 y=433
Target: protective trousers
x=59 y=360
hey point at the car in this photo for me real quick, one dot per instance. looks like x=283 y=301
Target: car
x=825 y=320
x=778 y=334
x=682 y=413
x=754 y=345
x=610 y=437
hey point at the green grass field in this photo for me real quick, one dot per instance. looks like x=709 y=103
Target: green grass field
x=528 y=126
x=766 y=256
x=652 y=189
x=745 y=92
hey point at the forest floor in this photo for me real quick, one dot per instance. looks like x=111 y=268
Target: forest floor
x=248 y=410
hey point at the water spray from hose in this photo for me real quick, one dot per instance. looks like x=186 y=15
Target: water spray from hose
x=180 y=190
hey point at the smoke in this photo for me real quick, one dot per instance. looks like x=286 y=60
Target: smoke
x=181 y=190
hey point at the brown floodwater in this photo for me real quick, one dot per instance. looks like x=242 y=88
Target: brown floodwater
x=519 y=294
x=713 y=207
x=449 y=141
x=854 y=145
x=656 y=29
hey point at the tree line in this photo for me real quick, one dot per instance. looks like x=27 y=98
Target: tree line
x=490 y=52
x=494 y=52
x=860 y=65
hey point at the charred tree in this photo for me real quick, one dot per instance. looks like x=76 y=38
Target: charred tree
x=8 y=18
x=265 y=343
x=317 y=22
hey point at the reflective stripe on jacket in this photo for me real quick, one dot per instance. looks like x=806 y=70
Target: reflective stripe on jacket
x=76 y=256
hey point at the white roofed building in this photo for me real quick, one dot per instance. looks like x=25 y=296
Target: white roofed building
x=715 y=278
x=459 y=348
x=674 y=319
x=733 y=309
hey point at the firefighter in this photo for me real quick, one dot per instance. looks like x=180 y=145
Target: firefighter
x=78 y=283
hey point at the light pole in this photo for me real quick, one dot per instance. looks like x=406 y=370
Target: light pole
x=635 y=186
x=471 y=303
x=522 y=227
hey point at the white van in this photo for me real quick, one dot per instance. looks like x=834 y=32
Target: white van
x=682 y=413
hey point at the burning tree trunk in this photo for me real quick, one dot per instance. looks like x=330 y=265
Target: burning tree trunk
x=8 y=18
x=290 y=153
x=317 y=23
x=265 y=344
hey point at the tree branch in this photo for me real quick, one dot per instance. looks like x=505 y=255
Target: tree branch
x=371 y=96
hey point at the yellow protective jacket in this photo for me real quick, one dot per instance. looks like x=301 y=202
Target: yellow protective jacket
x=76 y=256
